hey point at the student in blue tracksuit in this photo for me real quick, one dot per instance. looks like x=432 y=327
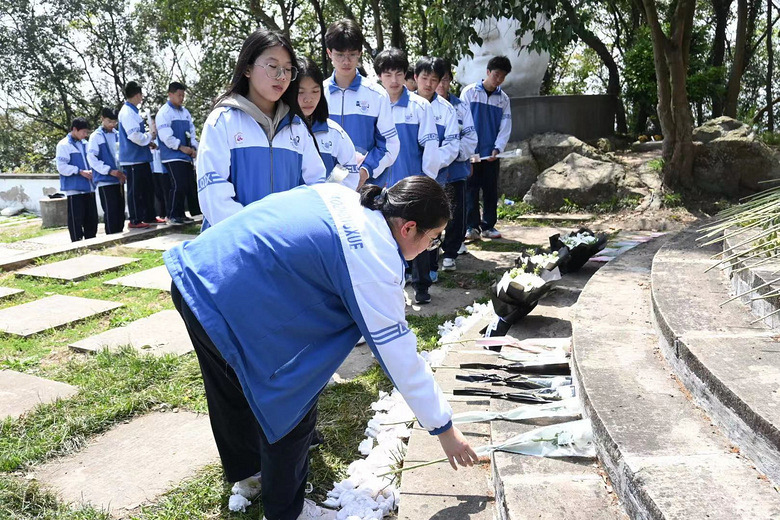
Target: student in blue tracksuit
x=490 y=109
x=335 y=145
x=274 y=300
x=419 y=153
x=178 y=148
x=357 y=104
x=457 y=173
x=135 y=156
x=102 y=155
x=427 y=74
x=76 y=181
x=255 y=141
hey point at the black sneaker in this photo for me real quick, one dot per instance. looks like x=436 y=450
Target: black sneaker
x=422 y=297
x=176 y=221
x=317 y=439
x=188 y=220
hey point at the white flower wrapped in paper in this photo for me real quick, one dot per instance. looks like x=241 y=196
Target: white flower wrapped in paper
x=520 y=280
x=573 y=241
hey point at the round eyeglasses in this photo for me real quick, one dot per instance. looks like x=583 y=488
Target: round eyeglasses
x=277 y=72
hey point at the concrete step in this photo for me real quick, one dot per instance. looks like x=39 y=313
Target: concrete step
x=661 y=451
x=730 y=365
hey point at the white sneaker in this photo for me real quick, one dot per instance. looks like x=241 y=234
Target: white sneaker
x=472 y=234
x=248 y=488
x=491 y=233
x=463 y=250
x=312 y=511
x=448 y=264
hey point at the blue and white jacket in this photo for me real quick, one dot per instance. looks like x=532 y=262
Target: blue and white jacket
x=363 y=111
x=336 y=148
x=101 y=156
x=449 y=136
x=285 y=295
x=492 y=117
x=460 y=169
x=238 y=164
x=71 y=159
x=133 y=138
x=173 y=125
x=419 y=154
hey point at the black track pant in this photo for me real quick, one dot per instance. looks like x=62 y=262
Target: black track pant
x=112 y=200
x=82 y=216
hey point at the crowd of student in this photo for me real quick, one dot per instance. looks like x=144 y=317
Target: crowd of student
x=281 y=124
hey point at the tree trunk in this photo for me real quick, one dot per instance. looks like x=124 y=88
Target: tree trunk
x=380 y=36
x=317 y=6
x=674 y=112
x=770 y=122
x=738 y=63
x=424 y=29
x=721 y=9
x=396 y=34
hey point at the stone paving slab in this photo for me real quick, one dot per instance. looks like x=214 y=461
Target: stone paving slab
x=662 y=453
x=443 y=300
x=49 y=313
x=20 y=392
x=61 y=238
x=154 y=278
x=159 y=334
x=162 y=242
x=7 y=292
x=357 y=362
x=7 y=252
x=78 y=268
x=133 y=463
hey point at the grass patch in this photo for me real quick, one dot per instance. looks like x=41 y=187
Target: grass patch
x=22 y=499
x=498 y=246
x=615 y=204
x=657 y=165
x=513 y=212
x=24 y=230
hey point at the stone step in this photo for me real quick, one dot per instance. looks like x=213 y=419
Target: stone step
x=78 y=268
x=49 y=313
x=154 y=278
x=21 y=393
x=162 y=242
x=730 y=365
x=159 y=334
x=133 y=463
x=7 y=292
x=661 y=452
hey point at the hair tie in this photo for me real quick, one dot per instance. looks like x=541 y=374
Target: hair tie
x=380 y=199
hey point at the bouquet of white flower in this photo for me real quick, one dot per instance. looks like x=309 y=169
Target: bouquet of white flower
x=514 y=296
x=579 y=247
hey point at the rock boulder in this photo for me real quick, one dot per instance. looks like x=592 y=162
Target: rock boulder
x=517 y=173
x=551 y=148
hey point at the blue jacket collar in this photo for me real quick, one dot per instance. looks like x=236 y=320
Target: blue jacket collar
x=135 y=108
x=355 y=85
x=172 y=105
x=73 y=140
x=319 y=126
x=453 y=99
x=481 y=87
x=403 y=101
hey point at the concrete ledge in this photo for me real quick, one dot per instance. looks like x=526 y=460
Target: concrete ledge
x=660 y=450
x=726 y=362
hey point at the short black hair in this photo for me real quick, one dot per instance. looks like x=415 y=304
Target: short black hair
x=174 y=86
x=343 y=36
x=80 y=123
x=447 y=68
x=430 y=65
x=390 y=59
x=131 y=89
x=500 y=63
x=108 y=113
x=409 y=73
x=308 y=68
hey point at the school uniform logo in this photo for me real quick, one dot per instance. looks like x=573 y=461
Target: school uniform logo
x=295 y=140
x=408 y=118
x=326 y=145
x=362 y=105
x=239 y=137
x=438 y=118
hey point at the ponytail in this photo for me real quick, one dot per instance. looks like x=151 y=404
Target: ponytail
x=416 y=198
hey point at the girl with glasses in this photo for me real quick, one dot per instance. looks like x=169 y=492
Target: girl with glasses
x=335 y=145
x=255 y=141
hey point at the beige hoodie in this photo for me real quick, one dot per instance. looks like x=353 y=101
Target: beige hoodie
x=266 y=123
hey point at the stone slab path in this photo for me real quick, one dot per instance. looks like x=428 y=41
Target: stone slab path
x=154 y=278
x=159 y=334
x=78 y=268
x=162 y=242
x=7 y=292
x=51 y=312
x=20 y=392
x=133 y=463
x=443 y=300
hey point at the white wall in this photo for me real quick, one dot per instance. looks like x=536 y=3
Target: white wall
x=28 y=189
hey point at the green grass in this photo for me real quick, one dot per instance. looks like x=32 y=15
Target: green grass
x=657 y=165
x=23 y=230
x=498 y=246
x=616 y=203
x=515 y=211
x=770 y=138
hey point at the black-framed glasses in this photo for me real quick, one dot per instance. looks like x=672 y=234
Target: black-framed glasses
x=277 y=72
